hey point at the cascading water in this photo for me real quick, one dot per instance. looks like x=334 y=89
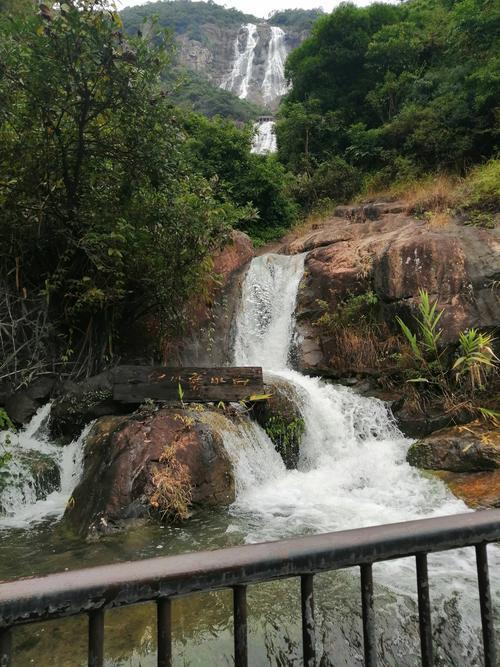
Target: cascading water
x=240 y=76
x=27 y=499
x=352 y=469
x=274 y=84
x=264 y=140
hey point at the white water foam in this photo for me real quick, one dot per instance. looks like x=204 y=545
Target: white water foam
x=264 y=140
x=19 y=504
x=352 y=469
x=239 y=78
x=274 y=84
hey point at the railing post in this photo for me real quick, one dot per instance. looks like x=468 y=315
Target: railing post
x=308 y=629
x=96 y=638
x=240 y=626
x=164 y=632
x=483 y=579
x=424 y=610
x=5 y=647
x=370 y=643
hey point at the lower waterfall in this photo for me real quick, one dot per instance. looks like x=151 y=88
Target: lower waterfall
x=29 y=496
x=352 y=469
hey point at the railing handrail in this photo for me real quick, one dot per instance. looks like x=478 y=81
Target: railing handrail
x=80 y=591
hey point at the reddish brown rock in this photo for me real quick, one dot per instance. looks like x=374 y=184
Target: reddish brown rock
x=123 y=455
x=393 y=254
x=238 y=252
x=478 y=489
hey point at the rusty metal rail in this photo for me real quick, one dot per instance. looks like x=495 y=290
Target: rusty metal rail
x=93 y=590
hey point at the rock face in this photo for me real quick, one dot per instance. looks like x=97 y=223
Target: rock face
x=380 y=248
x=467 y=458
x=124 y=455
x=22 y=404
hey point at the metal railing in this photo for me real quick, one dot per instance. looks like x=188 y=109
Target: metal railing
x=93 y=590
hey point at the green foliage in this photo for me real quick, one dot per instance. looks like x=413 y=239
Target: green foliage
x=477 y=358
x=5 y=425
x=425 y=343
x=257 y=183
x=193 y=92
x=296 y=20
x=430 y=361
x=186 y=18
x=286 y=436
x=102 y=215
x=358 y=310
x=414 y=84
x=481 y=189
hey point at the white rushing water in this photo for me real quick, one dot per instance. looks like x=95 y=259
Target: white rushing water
x=246 y=75
x=352 y=469
x=264 y=140
x=274 y=84
x=22 y=501
x=240 y=76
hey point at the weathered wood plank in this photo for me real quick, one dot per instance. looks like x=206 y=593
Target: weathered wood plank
x=133 y=384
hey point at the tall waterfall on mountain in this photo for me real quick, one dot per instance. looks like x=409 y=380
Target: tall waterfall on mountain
x=240 y=76
x=274 y=84
x=260 y=79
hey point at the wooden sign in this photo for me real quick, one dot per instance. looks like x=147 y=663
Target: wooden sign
x=134 y=384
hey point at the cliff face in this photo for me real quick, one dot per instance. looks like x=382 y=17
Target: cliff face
x=236 y=52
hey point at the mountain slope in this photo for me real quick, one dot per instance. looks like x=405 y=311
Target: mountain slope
x=238 y=52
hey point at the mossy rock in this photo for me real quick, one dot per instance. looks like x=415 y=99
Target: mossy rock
x=281 y=418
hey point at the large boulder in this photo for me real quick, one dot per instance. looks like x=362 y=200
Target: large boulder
x=149 y=464
x=467 y=458
x=394 y=255
x=470 y=448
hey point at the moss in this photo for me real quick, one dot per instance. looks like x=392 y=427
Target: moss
x=286 y=435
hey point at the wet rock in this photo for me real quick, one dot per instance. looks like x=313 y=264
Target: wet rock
x=22 y=405
x=281 y=418
x=123 y=457
x=471 y=448
x=479 y=490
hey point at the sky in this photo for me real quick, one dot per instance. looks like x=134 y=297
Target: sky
x=261 y=8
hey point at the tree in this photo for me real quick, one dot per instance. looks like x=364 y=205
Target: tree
x=101 y=216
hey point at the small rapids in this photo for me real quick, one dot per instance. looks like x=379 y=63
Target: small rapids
x=352 y=469
x=27 y=495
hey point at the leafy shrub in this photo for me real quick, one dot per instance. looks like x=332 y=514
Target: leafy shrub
x=430 y=363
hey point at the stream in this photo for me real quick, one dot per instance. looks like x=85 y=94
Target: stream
x=352 y=472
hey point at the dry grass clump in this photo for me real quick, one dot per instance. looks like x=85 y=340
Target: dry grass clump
x=359 y=351
x=438 y=194
x=172 y=494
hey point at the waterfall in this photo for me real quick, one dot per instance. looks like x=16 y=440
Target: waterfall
x=264 y=139
x=239 y=78
x=25 y=500
x=352 y=469
x=274 y=84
